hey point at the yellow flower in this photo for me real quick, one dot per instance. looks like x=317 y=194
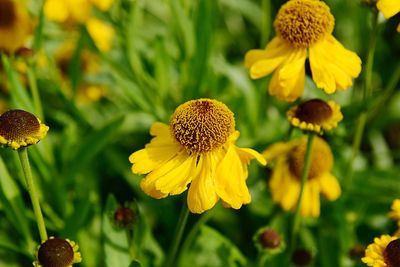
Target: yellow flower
x=304 y=29
x=197 y=148
x=389 y=8
x=384 y=252
x=15 y=26
x=286 y=175
x=57 y=252
x=19 y=128
x=315 y=115
x=67 y=10
x=102 y=34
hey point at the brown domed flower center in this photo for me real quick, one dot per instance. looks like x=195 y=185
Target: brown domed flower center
x=7 y=13
x=314 y=111
x=17 y=124
x=321 y=158
x=391 y=254
x=202 y=125
x=56 y=252
x=304 y=22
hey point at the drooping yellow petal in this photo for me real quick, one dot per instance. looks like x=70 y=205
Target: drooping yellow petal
x=287 y=83
x=101 y=33
x=230 y=182
x=333 y=66
x=148 y=184
x=202 y=195
x=389 y=8
x=290 y=194
x=247 y=154
x=329 y=186
x=263 y=62
x=80 y=10
x=278 y=149
x=310 y=205
x=56 y=10
x=161 y=149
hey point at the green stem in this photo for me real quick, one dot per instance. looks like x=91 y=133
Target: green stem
x=266 y=22
x=367 y=92
x=23 y=157
x=306 y=170
x=177 y=237
x=37 y=104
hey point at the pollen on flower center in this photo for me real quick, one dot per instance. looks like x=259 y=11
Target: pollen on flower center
x=304 y=22
x=56 y=252
x=321 y=158
x=18 y=124
x=202 y=125
x=7 y=13
x=314 y=111
x=391 y=254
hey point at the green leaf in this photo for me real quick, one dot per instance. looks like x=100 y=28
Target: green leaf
x=91 y=145
x=213 y=249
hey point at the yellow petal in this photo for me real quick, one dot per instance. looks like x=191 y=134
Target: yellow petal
x=388 y=7
x=230 y=181
x=161 y=149
x=278 y=149
x=263 y=62
x=330 y=186
x=290 y=194
x=101 y=33
x=247 y=154
x=274 y=48
x=333 y=66
x=56 y=10
x=103 y=5
x=148 y=184
x=202 y=195
x=79 y=10
x=287 y=83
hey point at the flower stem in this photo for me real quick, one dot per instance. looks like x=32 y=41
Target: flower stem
x=367 y=92
x=177 y=237
x=23 y=157
x=304 y=176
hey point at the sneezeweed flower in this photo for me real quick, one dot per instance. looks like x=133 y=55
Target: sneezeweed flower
x=196 y=148
x=389 y=8
x=19 y=128
x=80 y=11
x=15 y=26
x=56 y=252
x=315 y=115
x=286 y=175
x=304 y=29
x=384 y=252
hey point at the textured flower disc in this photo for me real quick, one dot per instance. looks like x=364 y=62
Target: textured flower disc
x=314 y=111
x=202 y=125
x=7 y=13
x=304 y=22
x=392 y=254
x=17 y=124
x=321 y=158
x=56 y=252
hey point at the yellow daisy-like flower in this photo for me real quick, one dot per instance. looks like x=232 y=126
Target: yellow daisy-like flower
x=196 y=148
x=315 y=115
x=384 y=252
x=285 y=180
x=15 y=26
x=304 y=29
x=19 y=128
x=57 y=252
x=389 y=8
